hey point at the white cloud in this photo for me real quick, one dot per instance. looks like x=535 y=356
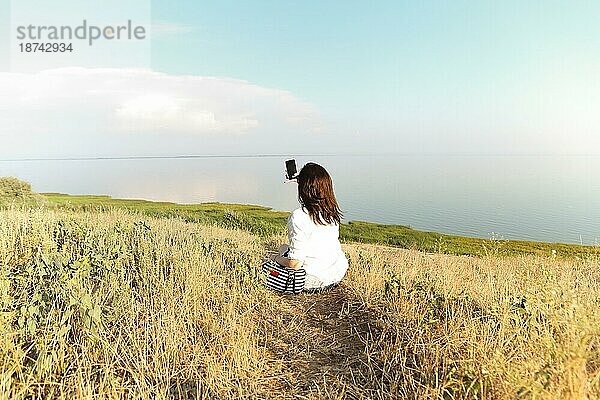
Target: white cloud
x=162 y=112
x=72 y=100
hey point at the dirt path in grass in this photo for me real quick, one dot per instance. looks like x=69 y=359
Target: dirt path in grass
x=326 y=343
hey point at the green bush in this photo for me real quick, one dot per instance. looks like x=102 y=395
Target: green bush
x=15 y=191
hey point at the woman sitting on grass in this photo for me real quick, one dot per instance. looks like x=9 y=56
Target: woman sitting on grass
x=313 y=232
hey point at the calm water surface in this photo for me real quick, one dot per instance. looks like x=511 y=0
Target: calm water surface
x=545 y=198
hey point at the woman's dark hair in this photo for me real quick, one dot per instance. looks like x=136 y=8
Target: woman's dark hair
x=315 y=194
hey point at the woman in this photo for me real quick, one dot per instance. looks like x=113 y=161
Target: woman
x=313 y=232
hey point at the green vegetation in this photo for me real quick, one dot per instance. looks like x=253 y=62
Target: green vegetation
x=264 y=222
x=16 y=192
x=106 y=298
x=115 y=304
x=254 y=219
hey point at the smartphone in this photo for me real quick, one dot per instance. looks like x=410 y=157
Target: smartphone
x=290 y=166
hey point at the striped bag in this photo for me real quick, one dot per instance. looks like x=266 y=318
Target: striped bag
x=282 y=279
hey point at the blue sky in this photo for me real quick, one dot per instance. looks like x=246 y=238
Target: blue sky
x=473 y=77
x=381 y=55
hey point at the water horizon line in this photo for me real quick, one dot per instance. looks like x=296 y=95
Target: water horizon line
x=283 y=155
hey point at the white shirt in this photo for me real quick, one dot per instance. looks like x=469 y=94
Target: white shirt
x=317 y=246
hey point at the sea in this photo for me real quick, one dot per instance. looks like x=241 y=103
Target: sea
x=539 y=198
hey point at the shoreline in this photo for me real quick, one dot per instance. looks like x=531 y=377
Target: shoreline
x=265 y=221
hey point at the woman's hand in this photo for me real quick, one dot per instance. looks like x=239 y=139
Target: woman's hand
x=294 y=264
x=287 y=262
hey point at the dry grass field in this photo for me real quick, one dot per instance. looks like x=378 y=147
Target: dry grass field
x=115 y=304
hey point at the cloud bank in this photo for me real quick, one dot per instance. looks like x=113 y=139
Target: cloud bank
x=140 y=101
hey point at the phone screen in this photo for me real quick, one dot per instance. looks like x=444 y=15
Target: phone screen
x=290 y=166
